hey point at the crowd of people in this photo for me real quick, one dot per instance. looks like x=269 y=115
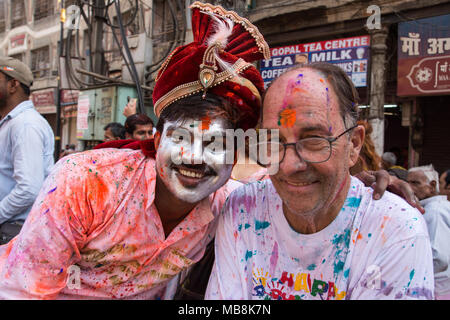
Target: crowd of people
x=148 y=215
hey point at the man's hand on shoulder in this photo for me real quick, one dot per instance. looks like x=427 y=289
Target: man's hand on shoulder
x=381 y=181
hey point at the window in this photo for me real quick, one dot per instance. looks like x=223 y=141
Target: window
x=17 y=13
x=42 y=9
x=40 y=62
x=2 y=16
x=130 y=29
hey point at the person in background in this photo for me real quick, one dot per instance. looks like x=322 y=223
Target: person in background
x=444 y=184
x=139 y=126
x=388 y=163
x=424 y=180
x=114 y=131
x=26 y=147
x=368 y=158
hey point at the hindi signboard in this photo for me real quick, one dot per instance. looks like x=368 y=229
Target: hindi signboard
x=424 y=57
x=82 y=115
x=351 y=54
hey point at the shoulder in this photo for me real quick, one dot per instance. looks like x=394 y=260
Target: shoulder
x=118 y=161
x=249 y=199
x=391 y=217
x=30 y=119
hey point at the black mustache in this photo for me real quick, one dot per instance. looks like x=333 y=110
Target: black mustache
x=200 y=168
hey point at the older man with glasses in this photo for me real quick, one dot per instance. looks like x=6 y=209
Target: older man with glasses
x=312 y=231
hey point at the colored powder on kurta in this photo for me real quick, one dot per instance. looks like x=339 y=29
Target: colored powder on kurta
x=52 y=190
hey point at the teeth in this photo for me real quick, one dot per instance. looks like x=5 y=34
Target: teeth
x=191 y=174
x=299 y=184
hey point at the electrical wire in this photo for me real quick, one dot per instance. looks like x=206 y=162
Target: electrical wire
x=127 y=50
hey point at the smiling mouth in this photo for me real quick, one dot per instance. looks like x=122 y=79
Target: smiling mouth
x=193 y=171
x=300 y=184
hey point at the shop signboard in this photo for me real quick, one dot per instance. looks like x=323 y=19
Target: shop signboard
x=424 y=57
x=351 y=54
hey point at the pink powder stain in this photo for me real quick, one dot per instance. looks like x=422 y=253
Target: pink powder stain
x=274 y=258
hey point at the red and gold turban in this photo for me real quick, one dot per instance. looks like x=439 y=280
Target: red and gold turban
x=217 y=61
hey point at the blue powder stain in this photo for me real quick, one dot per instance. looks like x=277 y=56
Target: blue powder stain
x=311 y=267
x=369 y=235
x=338 y=267
x=261 y=224
x=346 y=272
x=411 y=275
x=52 y=190
x=323 y=261
x=46 y=211
x=353 y=202
x=60 y=271
x=240 y=227
x=246 y=226
x=248 y=255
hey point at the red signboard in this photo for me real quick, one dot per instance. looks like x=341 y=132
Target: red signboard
x=43 y=98
x=424 y=57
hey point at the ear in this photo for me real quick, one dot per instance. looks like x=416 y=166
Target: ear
x=433 y=186
x=356 y=143
x=157 y=138
x=13 y=86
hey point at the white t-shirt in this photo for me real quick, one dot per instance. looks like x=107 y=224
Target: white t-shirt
x=437 y=217
x=372 y=250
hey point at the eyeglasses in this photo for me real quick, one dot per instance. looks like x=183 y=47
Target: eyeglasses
x=312 y=150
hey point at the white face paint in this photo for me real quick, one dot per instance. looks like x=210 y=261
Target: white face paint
x=191 y=158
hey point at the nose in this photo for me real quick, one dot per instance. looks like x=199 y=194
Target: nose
x=292 y=162
x=194 y=154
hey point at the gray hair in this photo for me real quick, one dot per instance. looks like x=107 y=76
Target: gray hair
x=429 y=172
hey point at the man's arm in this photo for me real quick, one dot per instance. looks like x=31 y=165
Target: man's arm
x=28 y=162
x=34 y=265
x=226 y=282
x=404 y=270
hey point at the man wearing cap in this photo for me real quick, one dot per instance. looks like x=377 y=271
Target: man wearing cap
x=26 y=148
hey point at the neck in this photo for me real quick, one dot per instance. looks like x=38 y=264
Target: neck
x=10 y=105
x=171 y=210
x=314 y=221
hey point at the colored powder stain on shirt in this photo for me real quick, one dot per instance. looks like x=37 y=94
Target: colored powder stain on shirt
x=259 y=225
x=353 y=202
x=52 y=190
x=338 y=267
x=248 y=255
x=369 y=235
x=346 y=273
x=411 y=276
x=311 y=267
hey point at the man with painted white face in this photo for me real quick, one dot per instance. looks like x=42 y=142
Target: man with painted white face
x=114 y=224
x=312 y=231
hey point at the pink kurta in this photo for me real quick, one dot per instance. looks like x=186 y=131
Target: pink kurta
x=95 y=216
